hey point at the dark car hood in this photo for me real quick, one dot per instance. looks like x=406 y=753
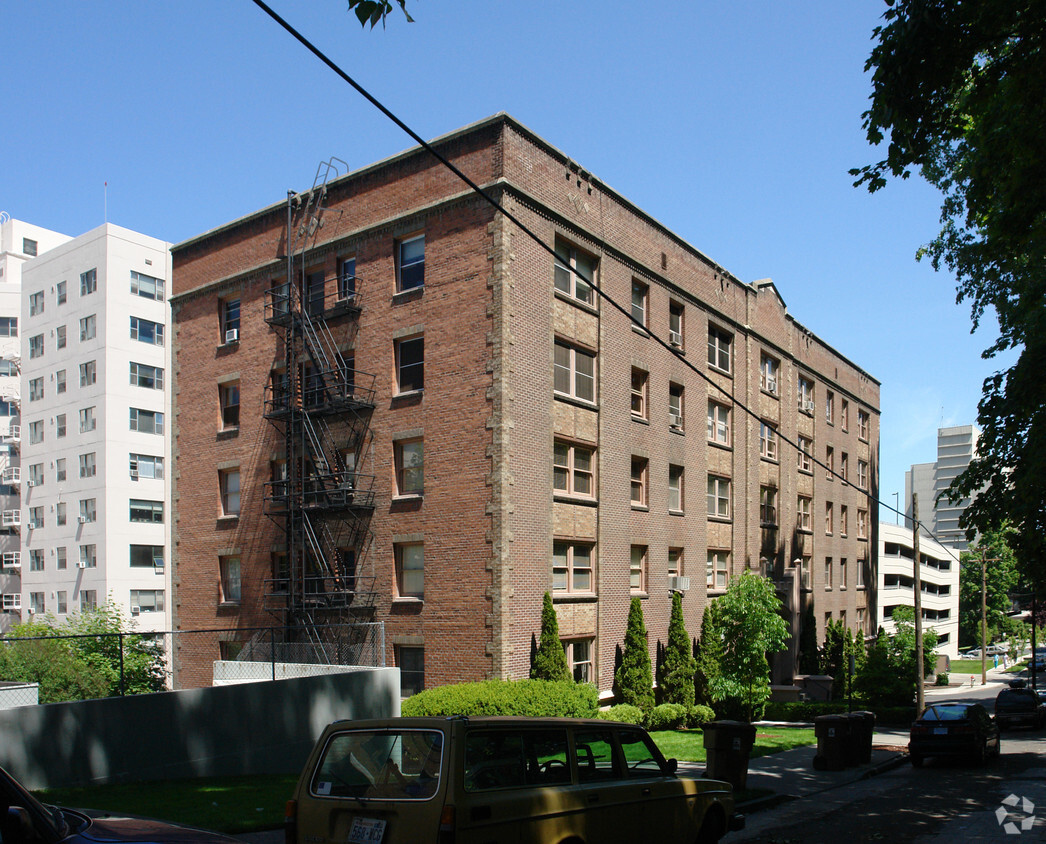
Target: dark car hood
x=143 y=830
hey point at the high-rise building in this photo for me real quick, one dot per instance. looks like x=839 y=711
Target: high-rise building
x=95 y=520
x=956 y=448
x=391 y=404
x=19 y=243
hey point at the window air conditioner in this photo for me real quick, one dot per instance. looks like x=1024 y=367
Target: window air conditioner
x=676 y=339
x=81 y=565
x=771 y=385
x=82 y=519
x=808 y=406
x=675 y=420
x=679 y=584
x=136 y=610
x=134 y=474
x=31 y=611
x=232 y=335
x=30 y=483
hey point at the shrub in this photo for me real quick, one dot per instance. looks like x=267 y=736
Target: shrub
x=635 y=679
x=667 y=716
x=698 y=715
x=942 y=679
x=525 y=698
x=550 y=662
x=679 y=663
x=623 y=712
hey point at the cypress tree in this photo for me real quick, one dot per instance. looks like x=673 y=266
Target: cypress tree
x=550 y=661
x=635 y=678
x=679 y=663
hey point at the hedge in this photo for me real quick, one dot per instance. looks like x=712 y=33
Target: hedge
x=808 y=710
x=624 y=712
x=522 y=698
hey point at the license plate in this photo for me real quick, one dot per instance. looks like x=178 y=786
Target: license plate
x=940 y=731
x=366 y=831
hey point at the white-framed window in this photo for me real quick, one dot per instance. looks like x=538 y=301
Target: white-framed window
x=827 y=572
x=144 y=375
x=574 y=372
x=862 y=474
x=640 y=297
x=36 y=474
x=89 y=556
x=640 y=381
x=842 y=573
x=228 y=322
x=573 y=469
x=36 y=346
x=640 y=469
x=59 y=381
x=36 y=602
x=60 y=336
x=675 y=562
x=410 y=364
x=410 y=570
x=579 y=659
x=676 y=325
x=574 y=270
x=804 y=507
x=88 y=419
x=572 y=567
x=229 y=578
x=829 y=462
x=59 y=469
x=142 y=510
x=146 y=421
x=718 y=570
x=36 y=517
x=844 y=466
x=36 y=559
x=347 y=278
x=88 y=282
x=719 y=497
x=767 y=506
x=862 y=524
x=860 y=572
x=9 y=367
x=804 y=454
x=12 y=601
x=829 y=518
x=8 y=326
x=844 y=520
x=805 y=571
x=767 y=441
x=675 y=489
x=36 y=303
x=637 y=569
x=63 y=602
x=720 y=343
x=88 y=510
x=88 y=327
x=718 y=423
x=88 y=600
x=410 y=263
x=89 y=373
x=675 y=406
x=805 y=393
x=863 y=420
x=146 y=556
x=60 y=516
x=36 y=432
x=147 y=331
x=88 y=465
x=229 y=404
x=229 y=484
x=146 y=286
x=36 y=389
x=768 y=373
x=829 y=407
x=409 y=457
x=147 y=600
x=844 y=414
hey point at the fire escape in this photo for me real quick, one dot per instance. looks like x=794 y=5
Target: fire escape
x=321 y=408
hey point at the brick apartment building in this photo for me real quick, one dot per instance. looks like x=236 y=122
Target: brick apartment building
x=434 y=423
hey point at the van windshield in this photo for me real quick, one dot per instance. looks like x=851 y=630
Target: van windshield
x=381 y=765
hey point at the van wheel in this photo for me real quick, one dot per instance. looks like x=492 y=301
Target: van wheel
x=713 y=828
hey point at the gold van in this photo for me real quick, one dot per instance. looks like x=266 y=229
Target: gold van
x=483 y=780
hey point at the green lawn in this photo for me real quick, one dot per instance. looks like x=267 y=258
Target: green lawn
x=688 y=745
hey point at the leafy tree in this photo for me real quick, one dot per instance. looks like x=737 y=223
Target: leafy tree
x=1002 y=576
x=679 y=663
x=881 y=681
x=708 y=652
x=959 y=94
x=751 y=625
x=373 y=11
x=550 y=663
x=903 y=644
x=634 y=678
x=809 y=658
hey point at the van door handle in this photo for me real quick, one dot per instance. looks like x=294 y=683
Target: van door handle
x=646 y=792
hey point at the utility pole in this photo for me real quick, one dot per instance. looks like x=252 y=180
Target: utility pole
x=920 y=700
x=984 y=619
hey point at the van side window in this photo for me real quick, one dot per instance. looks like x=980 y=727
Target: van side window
x=595 y=756
x=641 y=755
x=515 y=758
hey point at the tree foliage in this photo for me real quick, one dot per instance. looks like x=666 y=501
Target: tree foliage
x=550 y=663
x=634 y=678
x=679 y=667
x=1002 y=577
x=375 y=11
x=959 y=94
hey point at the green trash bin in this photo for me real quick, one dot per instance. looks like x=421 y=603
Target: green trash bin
x=833 y=736
x=862 y=728
x=728 y=745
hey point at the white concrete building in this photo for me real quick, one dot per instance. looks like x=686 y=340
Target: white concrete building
x=19 y=243
x=939 y=573
x=956 y=447
x=95 y=507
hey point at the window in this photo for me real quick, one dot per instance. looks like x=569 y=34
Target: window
x=36 y=474
x=36 y=560
x=229 y=404
x=36 y=517
x=146 y=556
x=60 y=337
x=410 y=364
x=36 y=602
x=410 y=467
x=59 y=381
x=640 y=293
x=844 y=415
x=718 y=570
x=675 y=562
x=768 y=374
x=63 y=601
x=88 y=420
x=806 y=447
x=575 y=272
x=675 y=406
x=842 y=572
x=718 y=423
x=36 y=346
x=804 y=505
x=89 y=556
x=829 y=518
x=767 y=441
x=639 y=393
x=36 y=303
x=88 y=465
x=347 y=279
x=640 y=466
x=88 y=599
x=829 y=462
x=571 y=567
x=146 y=286
x=12 y=601
x=9 y=367
x=844 y=520
x=768 y=506
x=88 y=282
x=60 y=517
x=88 y=327
x=829 y=407
x=147 y=600
x=410 y=570
x=410 y=263
x=860 y=574
x=29 y=247
x=228 y=321
x=36 y=389
x=143 y=375
x=411 y=662
x=315 y=293
x=36 y=432
x=862 y=424
x=8 y=408
x=719 y=343
x=229 y=571
x=62 y=291
x=862 y=524
x=579 y=659
x=146 y=511
x=8 y=326
x=718 y=497
x=146 y=331
x=146 y=421
x=827 y=572
x=88 y=510
x=637 y=571
x=806 y=395
x=572 y=470
x=89 y=373
x=574 y=372
x=862 y=474
x=675 y=489
x=59 y=470
x=229 y=482
x=675 y=325
x=844 y=465
x=804 y=571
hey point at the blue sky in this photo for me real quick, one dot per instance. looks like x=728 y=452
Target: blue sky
x=734 y=124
